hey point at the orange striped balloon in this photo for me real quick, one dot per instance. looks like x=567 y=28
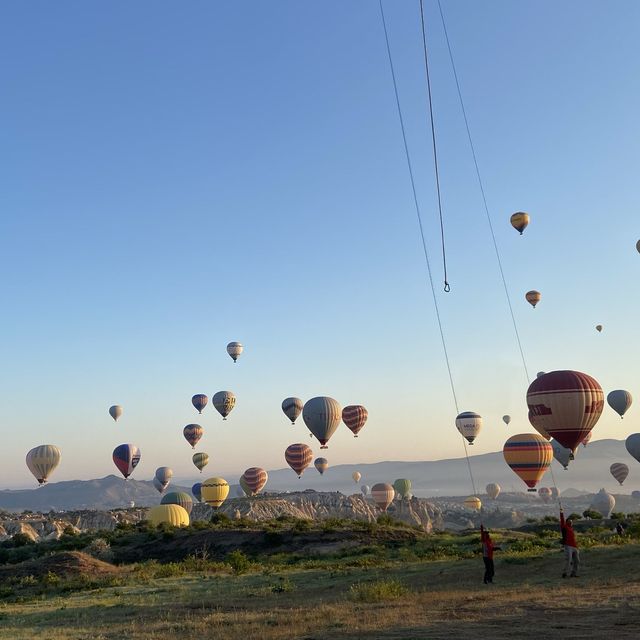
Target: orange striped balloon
x=192 y=434
x=256 y=478
x=355 y=416
x=298 y=457
x=529 y=456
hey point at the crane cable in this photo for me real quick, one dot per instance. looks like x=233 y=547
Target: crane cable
x=424 y=244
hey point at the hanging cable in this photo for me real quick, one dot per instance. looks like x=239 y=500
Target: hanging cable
x=447 y=288
x=424 y=244
x=484 y=198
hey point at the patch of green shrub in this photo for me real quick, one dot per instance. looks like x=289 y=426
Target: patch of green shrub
x=378 y=591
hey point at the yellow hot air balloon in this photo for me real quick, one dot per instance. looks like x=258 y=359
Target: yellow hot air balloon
x=474 y=503
x=520 y=221
x=356 y=475
x=215 y=491
x=172 y=514
x=42 y=461
x=533 y=297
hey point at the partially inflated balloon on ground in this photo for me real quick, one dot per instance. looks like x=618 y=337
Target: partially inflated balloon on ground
x=42 y=461
x=529 y=456
x=493 y=490
x=604 y=503
x=215 y=491
x=566 y=404
x=322 y=415
x=172 y=514
x=469 y=424
x=179 y=497
x=382 y=494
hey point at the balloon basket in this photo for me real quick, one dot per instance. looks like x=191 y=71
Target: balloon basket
x=531 y=490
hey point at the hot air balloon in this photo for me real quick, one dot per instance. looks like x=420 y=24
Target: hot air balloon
x=506 y=419
x=619 y=471
x=224 y=401
x=322 y=416
x=126 y=458
x=298 y=457
x=533 y=420
x=529 y=456
x=493 y=490
x=587 y=439
x=554 y=492
x=255 y=478
x=545 y=494
x=520 y=221
x=42 y=461
x=561 y=454
x=382 y=494
x=200 y=460
x=199 y=401
x=164 y=474
x=172 y=514
x=244 y=485
x=321 y=464
x=638 y=246
x=402 y=487
x=215 y=491
x=356 y=475
x=567 y=404
x=620 y=401
x=179 y=497
x=469 y=424
x=365 y=489
x=533 y=297
x=192 y=434
x=633 y=445
x=473 y=503
x=292 y=408
x=599 y=328
x=160 y=487
x=604 y=503
x=234 y=349
x=196 y=490
x=355 y=416
x=115 y=411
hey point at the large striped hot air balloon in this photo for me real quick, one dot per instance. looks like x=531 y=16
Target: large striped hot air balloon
x=545 y=494
x=620 y=401
x=224 y=401
x=383 y=495
x=321 y=464
x=199 y=401
x=355 y=416
x=520 y=221
x=42 y=461
x=566 y=404
x=115 y=411
x=533 y=297
x=473 y=502
x=126 y=457
x=200 y=460
x=255 y=478
x=172 y=514
x=234 y=349
x=529 y=456
x=292 y=408
x=322 y=416
x=493 y=490
x=469 y=424
x=192 y=434
x=298 y=457
x=196 y=490
x=215 y=491
x=179 y=497
x=620 y=471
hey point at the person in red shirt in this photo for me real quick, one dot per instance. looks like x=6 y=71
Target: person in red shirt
x=487 y=555
x=571 y=553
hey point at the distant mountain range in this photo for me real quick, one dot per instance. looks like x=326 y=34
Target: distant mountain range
x=588 y=473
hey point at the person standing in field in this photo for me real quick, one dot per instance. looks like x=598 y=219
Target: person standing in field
x=487 y=555
x=571 y=553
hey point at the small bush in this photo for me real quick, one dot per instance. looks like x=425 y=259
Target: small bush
x=618 y=515
x=377 y=591
x=238 y=562
x=592 y=514
x=21 y=540
x=575 y=516
x=284 y=585
x=221 y=519
x=100 y=549
x=301 y=525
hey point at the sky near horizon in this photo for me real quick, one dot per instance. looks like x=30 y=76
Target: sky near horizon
x=173 y=177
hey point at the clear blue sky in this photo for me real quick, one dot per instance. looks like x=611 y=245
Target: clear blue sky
x=174 y=176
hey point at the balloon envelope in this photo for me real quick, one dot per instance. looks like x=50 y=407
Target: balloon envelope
x=506 y=419
x=356 y=475
x=215 y=491
x=604 y=503
x=256 y=478
x=529 y=456
x=493 y=490
x=473 y=502
x=321 y=464
x=533 y=297
x=234 y=349
x=545 y=494
x=164 y=474
x=224 y=401
x=355 y=416
x=469 y=424
x=632 y=443
x=620 y=471
x=561 y=454
x=298 y=457
x=126 y=457
x=598 y=328
x=566 y=404
x=382 y=494
x=620 y=401
x=402 y=487
x=172 y=514
x=200 y=460
x=244 y=485
x=322 y=415
x=196 y=490
x=365 y=489
x=179 y=497
x=520 y=221
x=292 y=408
x=42 y=461
x=199 y=401
x=159 y=486
x=115 y=411
x=192 y=434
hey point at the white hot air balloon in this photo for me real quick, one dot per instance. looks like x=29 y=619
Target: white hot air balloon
x=42 y=461
x=469 y=424
x=115 y=411
x=235 y=349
